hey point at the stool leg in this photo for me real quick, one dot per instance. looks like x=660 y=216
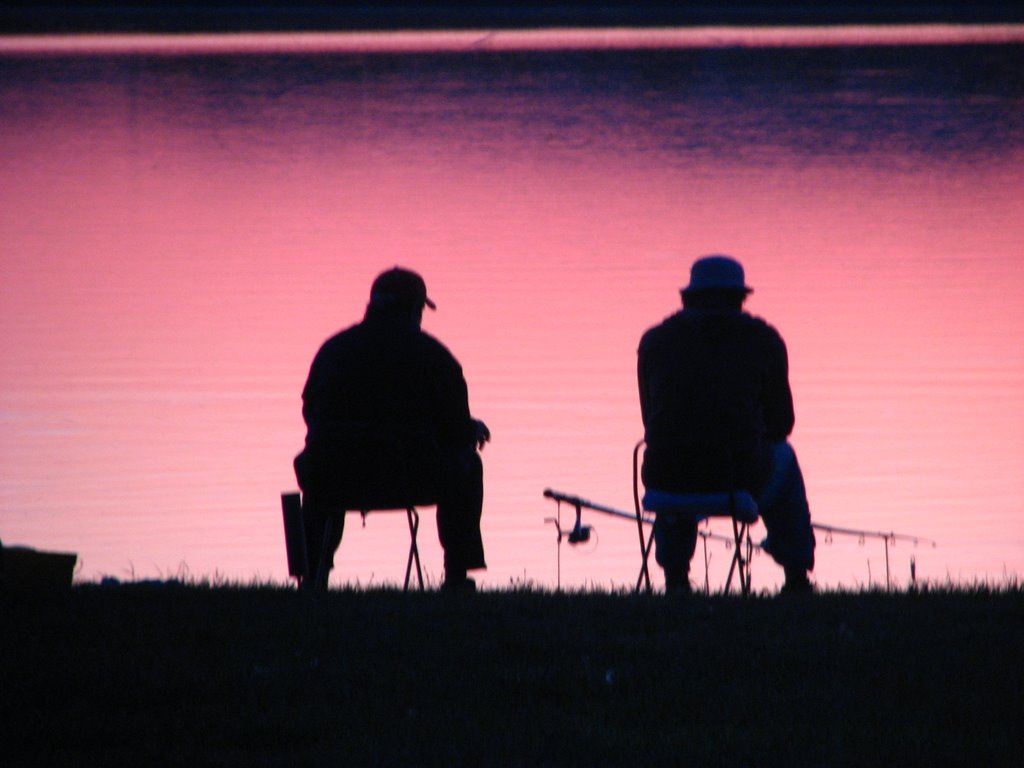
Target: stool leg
x=748 y=554
x=740 y=563
x=645 y=551
x=737 y=557
x=414 y=552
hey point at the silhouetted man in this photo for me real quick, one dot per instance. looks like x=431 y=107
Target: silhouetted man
x=387 y=416
x=717 y=409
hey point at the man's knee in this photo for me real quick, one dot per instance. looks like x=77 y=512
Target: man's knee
x=784 y=479
x=462 y=473
x=783 y=464
x=469 y=461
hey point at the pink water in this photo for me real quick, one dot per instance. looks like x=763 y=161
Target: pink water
x=178 y=233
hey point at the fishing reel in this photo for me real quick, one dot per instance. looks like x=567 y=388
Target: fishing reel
x=578 y=534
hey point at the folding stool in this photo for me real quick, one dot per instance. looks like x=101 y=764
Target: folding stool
x=295 y=538
x=738 y=505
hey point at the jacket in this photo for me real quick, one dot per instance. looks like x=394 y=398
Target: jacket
x=714 y=395
x=383 y=401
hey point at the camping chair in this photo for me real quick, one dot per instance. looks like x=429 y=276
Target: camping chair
x=295 y=536
x=738 y=505
x=392 y=489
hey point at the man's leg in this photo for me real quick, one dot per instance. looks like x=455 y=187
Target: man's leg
x=787 y=516
x=323 y=537
x=459 y=508
x=675 y=540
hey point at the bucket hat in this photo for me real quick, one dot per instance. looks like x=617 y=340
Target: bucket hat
x=717 y=273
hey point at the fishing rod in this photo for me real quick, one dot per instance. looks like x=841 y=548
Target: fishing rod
x=831 y=529
x=581 y=504
x=580 y=532
x=888 y=538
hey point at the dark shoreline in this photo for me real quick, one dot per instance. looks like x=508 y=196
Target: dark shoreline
x=321 y=15
x=171 y=674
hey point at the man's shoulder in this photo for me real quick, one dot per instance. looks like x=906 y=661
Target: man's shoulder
x=666 y=326
x=435 y=349
x=342 y=337
x=764 y=337
x=684 y=322
x=762 y=326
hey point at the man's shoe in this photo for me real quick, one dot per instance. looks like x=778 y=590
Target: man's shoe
x=797 y=584
x=458 y=585
x=312 y=585
x=678 y=587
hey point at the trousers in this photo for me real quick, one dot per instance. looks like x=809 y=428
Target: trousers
x=459 y=496
x=783 y=506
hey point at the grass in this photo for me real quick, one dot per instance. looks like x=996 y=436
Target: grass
x=199 y=674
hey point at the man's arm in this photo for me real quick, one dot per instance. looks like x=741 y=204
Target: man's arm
x=310 y=403
x=641 y=380
x=454 y=423
x=778 y=398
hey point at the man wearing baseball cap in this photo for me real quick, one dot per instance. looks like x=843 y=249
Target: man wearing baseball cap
x=387 y=420
x=717 y=411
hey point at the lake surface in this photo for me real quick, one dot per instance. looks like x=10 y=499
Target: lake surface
x=182 y=226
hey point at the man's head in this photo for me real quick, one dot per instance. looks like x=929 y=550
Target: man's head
x=400 y=292
x=716 y=281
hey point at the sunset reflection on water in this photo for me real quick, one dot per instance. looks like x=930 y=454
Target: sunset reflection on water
x=180 y=232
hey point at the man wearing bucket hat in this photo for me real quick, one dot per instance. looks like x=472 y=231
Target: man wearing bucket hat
x=717 y=411
x=386 y=405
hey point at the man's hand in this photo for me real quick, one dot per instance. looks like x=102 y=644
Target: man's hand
x=483 y=434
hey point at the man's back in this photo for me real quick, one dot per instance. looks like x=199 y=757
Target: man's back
x=713 y=392
x=385 y=376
